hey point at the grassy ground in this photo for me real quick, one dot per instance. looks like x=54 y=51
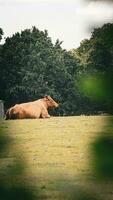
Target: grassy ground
x=55 y=156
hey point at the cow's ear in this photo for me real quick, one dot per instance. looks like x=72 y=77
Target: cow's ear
x=46 y=96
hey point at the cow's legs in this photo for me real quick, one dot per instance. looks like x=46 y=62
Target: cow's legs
x=45 y=114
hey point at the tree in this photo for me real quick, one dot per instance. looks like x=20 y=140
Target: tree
x=96 y=60
x=32 y=66
x=1 y=33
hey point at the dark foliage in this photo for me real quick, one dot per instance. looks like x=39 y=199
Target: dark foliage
x=31 y=66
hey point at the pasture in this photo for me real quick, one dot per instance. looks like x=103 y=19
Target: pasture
x=52 y=158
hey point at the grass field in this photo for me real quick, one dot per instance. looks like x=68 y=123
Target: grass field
x=52 y=157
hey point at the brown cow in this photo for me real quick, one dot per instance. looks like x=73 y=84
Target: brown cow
x=32 y=110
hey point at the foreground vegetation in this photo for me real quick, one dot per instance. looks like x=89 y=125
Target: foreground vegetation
x=51 y=159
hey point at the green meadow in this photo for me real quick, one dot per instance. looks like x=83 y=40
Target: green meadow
x=51 y=158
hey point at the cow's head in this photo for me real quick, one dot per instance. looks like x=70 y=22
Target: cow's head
x=50 y=102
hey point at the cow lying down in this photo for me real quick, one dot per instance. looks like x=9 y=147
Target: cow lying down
x=32 y=110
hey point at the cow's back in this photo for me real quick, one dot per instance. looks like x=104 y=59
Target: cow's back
x=32 y=109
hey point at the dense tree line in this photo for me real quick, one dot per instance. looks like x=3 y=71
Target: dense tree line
x=96 y=64
x=32 y=66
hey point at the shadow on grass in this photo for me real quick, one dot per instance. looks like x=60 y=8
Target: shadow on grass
x=13 y=176
x=13 y=185
x=99 y=87
x=12 y=172
x=102 y=157
x=78 y=192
